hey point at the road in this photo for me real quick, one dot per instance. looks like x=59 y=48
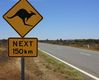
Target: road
x=86 y=60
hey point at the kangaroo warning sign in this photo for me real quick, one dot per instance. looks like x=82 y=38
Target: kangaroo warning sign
x=22 y=47
x=23 y=17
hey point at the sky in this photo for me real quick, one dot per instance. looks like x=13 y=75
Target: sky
x=66 y=19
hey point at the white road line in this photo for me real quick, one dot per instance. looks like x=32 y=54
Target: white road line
x=84 y=72
x=86 y=54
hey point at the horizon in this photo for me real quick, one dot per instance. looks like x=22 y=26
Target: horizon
x=59 y=39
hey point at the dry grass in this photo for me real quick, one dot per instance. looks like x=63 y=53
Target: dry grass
x=58 y=67
x=9 y=68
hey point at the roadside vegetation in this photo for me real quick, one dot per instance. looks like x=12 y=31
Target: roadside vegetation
x=92 y=44
x=66 y=72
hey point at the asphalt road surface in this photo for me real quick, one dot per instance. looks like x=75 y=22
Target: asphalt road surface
x=86 y=60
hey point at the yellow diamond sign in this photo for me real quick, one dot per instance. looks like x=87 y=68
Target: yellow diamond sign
x=23 y=17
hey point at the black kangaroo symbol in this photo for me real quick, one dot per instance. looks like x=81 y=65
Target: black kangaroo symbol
x=24 y=15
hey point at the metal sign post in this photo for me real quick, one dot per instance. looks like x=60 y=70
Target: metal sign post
x=22 y=68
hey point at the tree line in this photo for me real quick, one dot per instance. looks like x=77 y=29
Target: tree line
x=84 y=43
x=3 y=42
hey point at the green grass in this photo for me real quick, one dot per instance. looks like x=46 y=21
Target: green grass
x=61 y=68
